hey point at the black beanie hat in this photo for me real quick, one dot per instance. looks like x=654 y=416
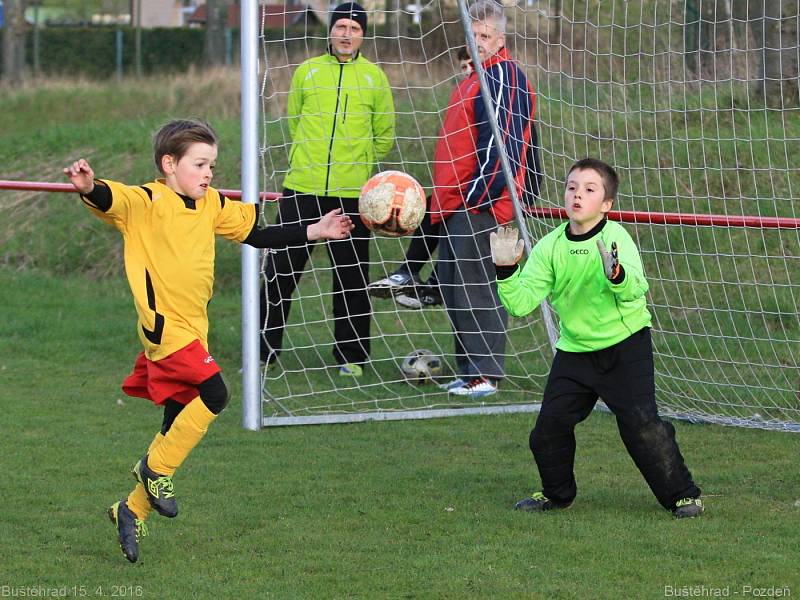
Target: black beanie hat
x=349 y=10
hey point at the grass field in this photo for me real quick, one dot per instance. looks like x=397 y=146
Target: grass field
x=390 y=510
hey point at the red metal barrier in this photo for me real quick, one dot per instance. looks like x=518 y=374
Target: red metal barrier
x=625 y=216
x=660 y=218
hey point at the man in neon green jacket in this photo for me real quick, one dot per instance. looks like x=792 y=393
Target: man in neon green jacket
x=341 y=120
x=592 y=273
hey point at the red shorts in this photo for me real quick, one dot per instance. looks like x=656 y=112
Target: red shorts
x=175 y=377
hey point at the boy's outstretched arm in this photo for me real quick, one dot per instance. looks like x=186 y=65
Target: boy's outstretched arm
x=520 y=290
x=332 y=226
x=94 y=194
x=81 y=176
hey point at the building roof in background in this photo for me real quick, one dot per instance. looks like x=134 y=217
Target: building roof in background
x=276 y=16
x=200 y=15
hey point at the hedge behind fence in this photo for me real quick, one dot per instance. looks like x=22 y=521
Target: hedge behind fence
x=92 y=51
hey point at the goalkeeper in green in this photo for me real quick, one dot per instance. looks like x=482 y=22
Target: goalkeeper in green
x=591 y=272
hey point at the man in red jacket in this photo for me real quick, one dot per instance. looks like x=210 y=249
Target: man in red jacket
x=471 y=198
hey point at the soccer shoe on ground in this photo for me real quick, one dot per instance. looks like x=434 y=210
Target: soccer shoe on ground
x=350 y=370
x=452 y=384
x=129 y=529
x=475 y=388
x=430 y=295
x=688 y=508
x=159 y=488
x=420 y=297
x=539 y=503
x=392 y=285
x=408 y=299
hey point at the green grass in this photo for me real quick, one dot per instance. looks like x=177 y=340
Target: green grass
x=416 y=509
x=392 y=510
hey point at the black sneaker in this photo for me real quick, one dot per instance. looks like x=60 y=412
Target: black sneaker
x=688 y=508
x=392 y=285
x=129 y=529
x=430 y=295
x=159 y=488
x=539 y=503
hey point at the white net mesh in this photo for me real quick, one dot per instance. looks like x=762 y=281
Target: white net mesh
x=696 y=106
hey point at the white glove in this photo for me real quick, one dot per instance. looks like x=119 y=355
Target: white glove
x=506 y=246
x=610 y=259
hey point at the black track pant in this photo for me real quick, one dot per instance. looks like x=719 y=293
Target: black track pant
x=352 y=311
x=622 y=376
x=422 y=246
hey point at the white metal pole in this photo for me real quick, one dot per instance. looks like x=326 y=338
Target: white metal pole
x=251 y=377
x=466 y=21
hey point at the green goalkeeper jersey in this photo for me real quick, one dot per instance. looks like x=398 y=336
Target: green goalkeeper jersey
x=567 y=269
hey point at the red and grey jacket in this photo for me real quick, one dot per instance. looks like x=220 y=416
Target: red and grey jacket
x=467 y=169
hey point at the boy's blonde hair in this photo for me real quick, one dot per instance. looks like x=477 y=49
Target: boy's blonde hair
x=606 y=172
x=174 y=138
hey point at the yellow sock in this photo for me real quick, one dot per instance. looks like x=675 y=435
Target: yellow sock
x=137 y=500
x=187 y=430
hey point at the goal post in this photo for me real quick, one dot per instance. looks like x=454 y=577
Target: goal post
x=708 y=167
x=251 y=380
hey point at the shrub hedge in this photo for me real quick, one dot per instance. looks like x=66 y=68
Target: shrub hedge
x=92 y=51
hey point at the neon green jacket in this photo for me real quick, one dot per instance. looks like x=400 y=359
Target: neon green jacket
x=593 y=312
x=341 y=120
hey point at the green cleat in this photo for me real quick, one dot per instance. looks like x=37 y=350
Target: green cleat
x=688 y=508
x=129 y=529
x=159 y=488
x=539 y=503
x=350 y=370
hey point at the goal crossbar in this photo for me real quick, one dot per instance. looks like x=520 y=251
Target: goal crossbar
x=623 y=216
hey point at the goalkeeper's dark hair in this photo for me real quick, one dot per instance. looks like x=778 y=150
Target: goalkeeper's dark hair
x=174 y=138
x=606 y=171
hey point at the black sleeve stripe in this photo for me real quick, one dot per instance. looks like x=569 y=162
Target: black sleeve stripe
x=88 y=203
x=148 y=191
x=222 y=199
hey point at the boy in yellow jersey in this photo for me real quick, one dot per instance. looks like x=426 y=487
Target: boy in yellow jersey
x=591 y=271
x=168 y=227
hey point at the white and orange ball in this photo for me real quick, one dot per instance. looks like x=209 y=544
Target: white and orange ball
x=392 y=203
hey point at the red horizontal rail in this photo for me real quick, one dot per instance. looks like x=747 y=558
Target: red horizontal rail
x=40 y=186
x=661 y=218
x=625 y=216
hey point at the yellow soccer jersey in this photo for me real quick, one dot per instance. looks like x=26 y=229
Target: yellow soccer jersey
x=169 y=257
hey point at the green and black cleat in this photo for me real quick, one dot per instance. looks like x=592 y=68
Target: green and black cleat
x=539 y=503
x=688 y=508
x=159 y=488
x=129 y=529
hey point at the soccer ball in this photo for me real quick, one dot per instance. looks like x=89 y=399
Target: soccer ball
x=421 y=366
x=392 y=203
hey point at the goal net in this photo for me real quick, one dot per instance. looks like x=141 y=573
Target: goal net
x=694 y=103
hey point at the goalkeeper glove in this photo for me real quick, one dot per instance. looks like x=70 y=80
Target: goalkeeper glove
x=506 y=247
x=610 y=260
